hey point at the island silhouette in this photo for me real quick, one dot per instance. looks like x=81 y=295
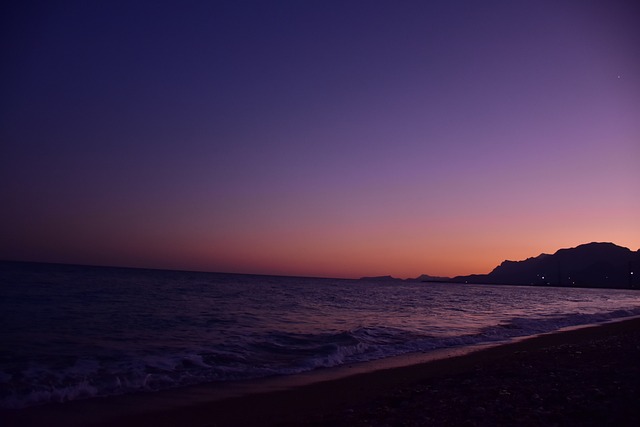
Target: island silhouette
x=591 y=265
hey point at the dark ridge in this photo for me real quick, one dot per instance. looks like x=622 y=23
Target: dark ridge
x=601 y=265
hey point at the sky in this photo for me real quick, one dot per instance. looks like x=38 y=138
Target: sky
x=317 y=138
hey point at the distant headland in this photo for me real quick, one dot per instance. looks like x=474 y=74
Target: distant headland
x=592 y=265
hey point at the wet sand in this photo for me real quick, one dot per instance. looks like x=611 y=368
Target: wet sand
x=588 y=376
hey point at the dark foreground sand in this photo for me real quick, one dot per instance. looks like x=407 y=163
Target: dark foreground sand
x=589 y=376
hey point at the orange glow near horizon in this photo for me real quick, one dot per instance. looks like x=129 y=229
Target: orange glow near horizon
x=328 y=241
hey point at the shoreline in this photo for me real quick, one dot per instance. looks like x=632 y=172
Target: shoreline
x=355 y=394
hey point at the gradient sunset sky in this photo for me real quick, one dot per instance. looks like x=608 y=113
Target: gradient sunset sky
x=322 y=138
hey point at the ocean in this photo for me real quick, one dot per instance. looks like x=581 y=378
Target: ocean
x=76 y=332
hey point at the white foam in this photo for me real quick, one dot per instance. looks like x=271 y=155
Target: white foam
x=232 y=328
x=61 y=394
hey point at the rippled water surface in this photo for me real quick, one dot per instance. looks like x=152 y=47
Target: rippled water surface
x=73 y=332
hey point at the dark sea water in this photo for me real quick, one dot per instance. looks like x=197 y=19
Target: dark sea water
x=71 y=332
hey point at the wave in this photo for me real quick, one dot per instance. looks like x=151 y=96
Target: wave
x=276 y=353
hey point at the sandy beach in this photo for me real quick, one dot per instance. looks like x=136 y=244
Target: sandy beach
x=588 y=376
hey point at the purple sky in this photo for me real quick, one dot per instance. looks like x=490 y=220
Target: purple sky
x=342 y=138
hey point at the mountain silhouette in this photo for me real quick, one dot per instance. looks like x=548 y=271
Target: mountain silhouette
x=602 y=265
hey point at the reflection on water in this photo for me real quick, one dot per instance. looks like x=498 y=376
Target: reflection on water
x=71 y=331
